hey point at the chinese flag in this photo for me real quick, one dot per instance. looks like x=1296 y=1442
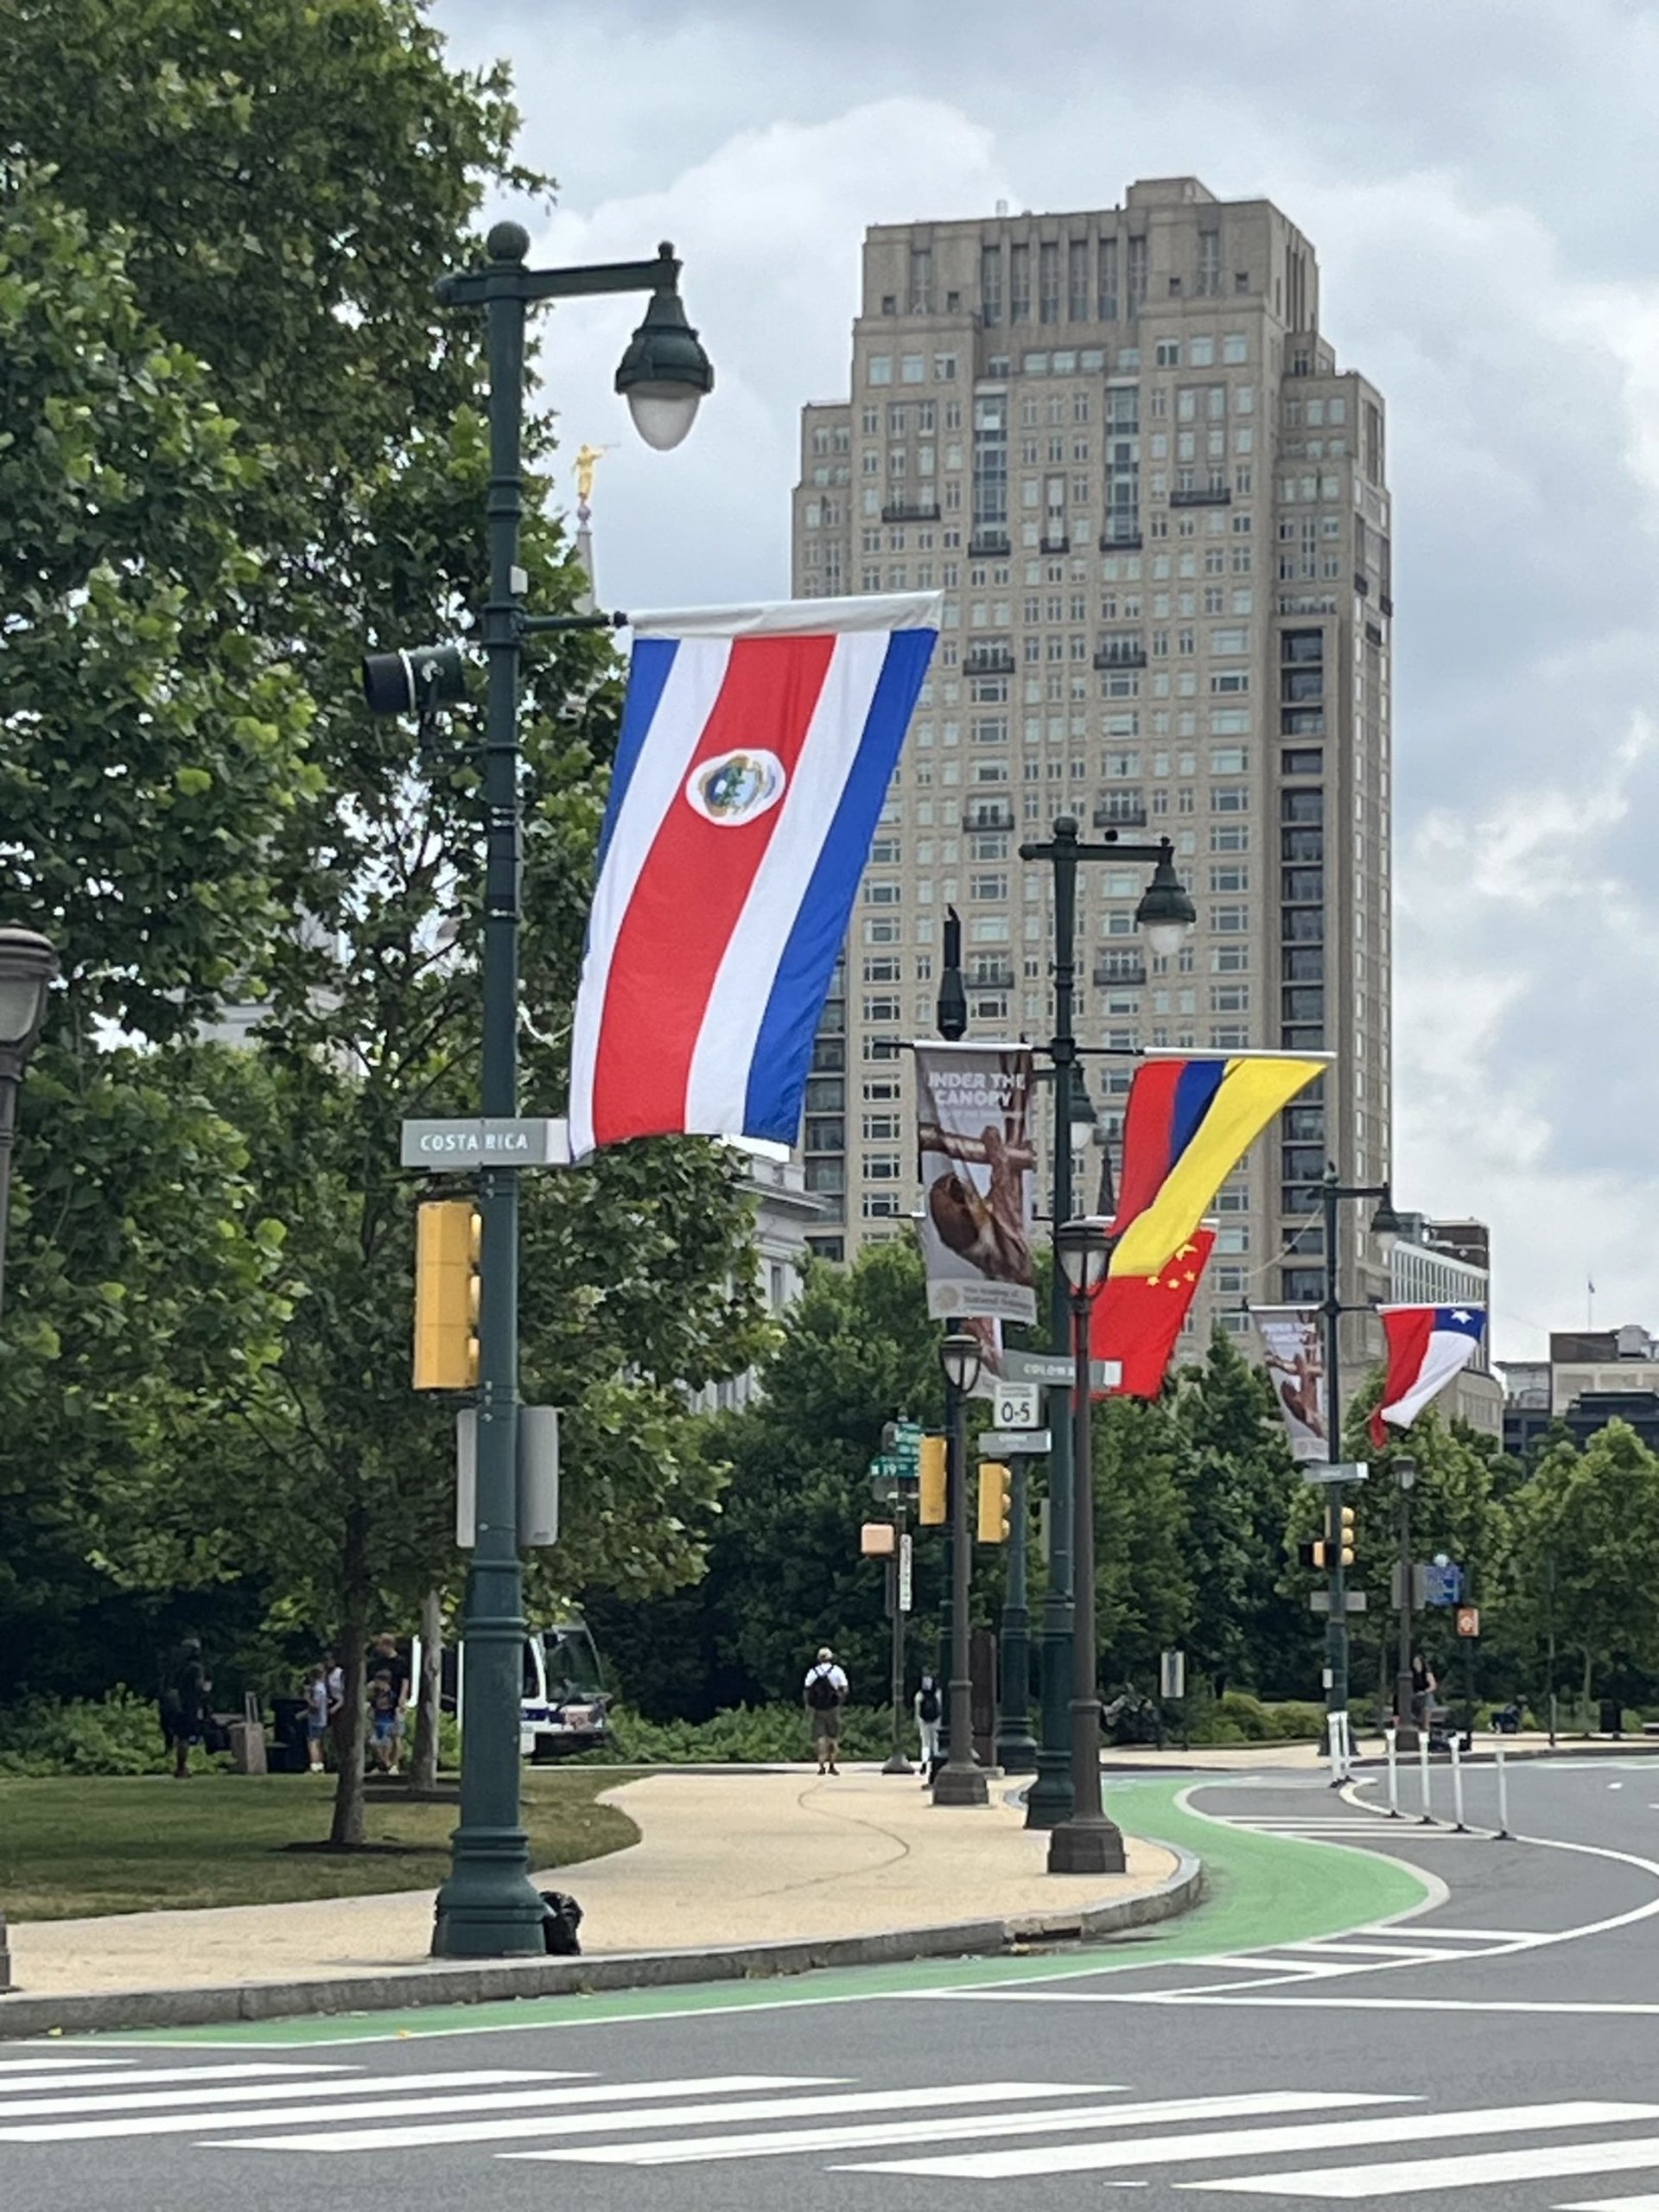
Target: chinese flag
x=1136 y=1319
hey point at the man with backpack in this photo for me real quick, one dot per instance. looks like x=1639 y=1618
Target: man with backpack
x=825 y=1693
x=184 y=1704
x=929 y=1711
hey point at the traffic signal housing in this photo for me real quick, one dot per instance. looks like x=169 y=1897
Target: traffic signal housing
x=995 y=1509
x=1343 y=1534
x=1315 y=1555
x=448 y=1235
x=932 y=1503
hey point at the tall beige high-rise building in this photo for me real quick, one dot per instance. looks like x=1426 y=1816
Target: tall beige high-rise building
x=1159 y=514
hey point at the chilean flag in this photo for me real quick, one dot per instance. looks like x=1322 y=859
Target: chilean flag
x=1427 y=1345
x=756 y=749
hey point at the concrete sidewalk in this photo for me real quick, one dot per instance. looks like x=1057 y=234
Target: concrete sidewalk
x=726 y=1863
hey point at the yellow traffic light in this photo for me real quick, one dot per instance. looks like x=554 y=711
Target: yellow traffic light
x=995 y=1481
x=933 y=1509
x=1344 y=1534
x=448 y=1239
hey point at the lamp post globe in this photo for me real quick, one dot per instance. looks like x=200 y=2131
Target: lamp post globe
x=665 y=373
x=1084 y=1246
x=961 y=1358
x=1165 y=913
x=29 y=967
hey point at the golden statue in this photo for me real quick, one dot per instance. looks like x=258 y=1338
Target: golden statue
x=588 y=459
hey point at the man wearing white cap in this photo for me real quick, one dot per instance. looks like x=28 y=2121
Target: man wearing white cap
x=825 y=1691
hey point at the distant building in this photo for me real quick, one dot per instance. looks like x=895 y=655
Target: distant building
x=1592 y=1377
x=1449 y=1263
x=784 y=1212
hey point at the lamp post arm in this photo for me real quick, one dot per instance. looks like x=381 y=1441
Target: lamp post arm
x=475 y=287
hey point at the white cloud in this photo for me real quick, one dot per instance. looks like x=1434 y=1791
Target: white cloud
x=1476 y=181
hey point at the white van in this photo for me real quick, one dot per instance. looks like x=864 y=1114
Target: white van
x=564 y=1705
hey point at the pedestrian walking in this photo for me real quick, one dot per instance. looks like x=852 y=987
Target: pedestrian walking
x=184 y=1704
x=317 y=1713
x=825 y=1691
x=1423 y=1687
x=929 y=1711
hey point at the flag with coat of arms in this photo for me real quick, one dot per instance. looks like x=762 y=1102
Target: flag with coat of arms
x=755 y=752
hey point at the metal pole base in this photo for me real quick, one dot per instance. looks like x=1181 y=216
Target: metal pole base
x=487 y=1910
x=1087 y=1847
x=1016 y=1752
x=1048 y=1801
x=897 y=1764
x=961 y=1785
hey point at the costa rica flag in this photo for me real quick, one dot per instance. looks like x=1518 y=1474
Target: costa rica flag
x=1427 y=1345
x=756 y=749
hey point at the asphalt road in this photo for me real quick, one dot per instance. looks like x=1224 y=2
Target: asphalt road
x=1495 y=2047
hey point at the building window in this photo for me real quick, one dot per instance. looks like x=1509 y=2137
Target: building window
x=1019 y=283
x=990 y=285
x=879 y=368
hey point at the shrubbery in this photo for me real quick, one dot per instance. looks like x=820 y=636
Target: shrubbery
x=760 y=1735
x=118 y=1734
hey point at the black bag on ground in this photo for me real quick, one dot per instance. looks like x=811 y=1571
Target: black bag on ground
x=561 y=1917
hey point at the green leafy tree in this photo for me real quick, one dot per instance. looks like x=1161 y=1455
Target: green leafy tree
x=785 y=1573
x=288 y=183
x=1585 y=1535
x=1144 y=1580
x=1239 y=1480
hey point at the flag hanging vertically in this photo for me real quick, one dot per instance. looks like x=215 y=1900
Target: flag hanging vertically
x=973 y=1136
x=756 y=748
x=1295 y=1348
x=1135 y=1320
x=1189 y=1120
x=1427 y=1345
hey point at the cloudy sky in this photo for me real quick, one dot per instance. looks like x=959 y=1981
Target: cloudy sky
x=1480 y=179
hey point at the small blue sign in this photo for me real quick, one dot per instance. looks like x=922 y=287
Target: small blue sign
x=1442 y=1584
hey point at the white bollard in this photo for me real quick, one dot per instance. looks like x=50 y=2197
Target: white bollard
x=1389 y=1742
x=1502 y=1797
x=1457 y=1782
x=1422 y=1772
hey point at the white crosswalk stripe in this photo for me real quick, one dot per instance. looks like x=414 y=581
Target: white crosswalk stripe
x=1398 y=2128
x=68 y=2063
x=1339 y=2146
x=1250 y=2105
x=282 y=2101
x=107 y=2093
x=560 y=2119
x=1466 y=2170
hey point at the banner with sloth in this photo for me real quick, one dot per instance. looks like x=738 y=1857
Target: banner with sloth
x=973 y=1104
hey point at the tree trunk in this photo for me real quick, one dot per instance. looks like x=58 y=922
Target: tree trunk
x=425 y=1774
x=347 y=1832
x=1584 y=1695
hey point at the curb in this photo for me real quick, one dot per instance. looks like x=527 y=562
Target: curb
x=491 y=1980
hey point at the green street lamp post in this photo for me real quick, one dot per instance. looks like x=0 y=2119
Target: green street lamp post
x=488 y=1909
x=27 y=968
x=1087 y=1841
x=1165 y=915
x=960 y=1780
x=1384 y=1222
x=1016 y=1747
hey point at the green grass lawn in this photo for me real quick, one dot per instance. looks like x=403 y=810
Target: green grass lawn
x=72 y=1847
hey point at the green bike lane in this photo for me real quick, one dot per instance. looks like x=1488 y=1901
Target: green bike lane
x=1260 y=1890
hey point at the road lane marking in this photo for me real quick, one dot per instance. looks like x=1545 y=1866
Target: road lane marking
x=646 y=2114
x=297 y=2109
x=775 y=2143
x=1265 y=2142
x=1474 y=2170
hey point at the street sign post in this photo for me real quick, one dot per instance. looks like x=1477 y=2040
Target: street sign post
x=1013 y=1443
x=904 y=1572
x=1442 y=1582
x=1339 y=1470
x=1468 y=1621
x=1319 y=1601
